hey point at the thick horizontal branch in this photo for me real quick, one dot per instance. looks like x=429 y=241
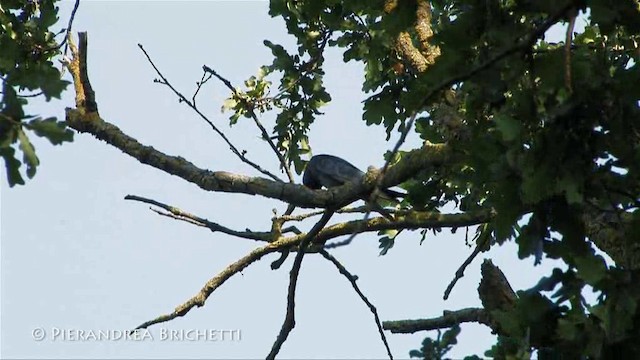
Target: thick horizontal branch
x=86 y=119
x=403 y=220
x=298 y=195
x=414 y=220
x=447 y=320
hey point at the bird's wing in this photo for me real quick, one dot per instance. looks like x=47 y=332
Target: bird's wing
x=329 y=171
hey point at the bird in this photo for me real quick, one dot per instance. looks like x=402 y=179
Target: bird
x=329 y=171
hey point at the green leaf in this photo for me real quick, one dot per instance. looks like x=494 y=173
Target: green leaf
x=228 y=104
x=571 y=189
x=509 y=127
x=450 y=337
x=386 y=243
x=29 y=153
x=51 y=129
x=12 y=165
x=591 y=268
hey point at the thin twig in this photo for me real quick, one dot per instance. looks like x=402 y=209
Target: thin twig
x=345 y=210
x=69 y=25
x=67 y=31
x=460 y=272
x=352 y=279
x=348 y=240
x=182 y=98
x=265 y=136
x=205 y=77
x=178 y=214
x=289 y=320
x=263 y=131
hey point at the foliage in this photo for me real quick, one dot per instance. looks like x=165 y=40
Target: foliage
x=439 y=347
x=28 y=48
x=547 y=135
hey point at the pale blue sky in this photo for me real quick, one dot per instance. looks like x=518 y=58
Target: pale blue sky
x=76 y=256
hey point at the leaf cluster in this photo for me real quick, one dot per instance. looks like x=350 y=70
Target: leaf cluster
x=546 y=134
x=28 y=48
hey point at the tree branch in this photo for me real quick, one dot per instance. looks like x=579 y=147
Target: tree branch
x=289 y=320
x=199 y=299
x=205 y=78
x=263 y=131
x=85 y=96
x=495 y=293
x=223 y=181
x=192 y=105
x=404 y=220
x=86 y=119
x=196 y=220
x=414 y=220
x=69 y=26
x=345 y=210
x=482 y=245
x=447 y=320
x=352 y=279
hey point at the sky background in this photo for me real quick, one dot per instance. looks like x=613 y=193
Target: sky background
x=76 y=256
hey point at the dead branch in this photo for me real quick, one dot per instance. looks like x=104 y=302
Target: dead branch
x=460 y=272
x=85 y=96
x=407 y=220
x=83 y=120
x=495 y=292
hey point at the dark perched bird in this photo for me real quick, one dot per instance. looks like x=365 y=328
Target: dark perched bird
x=329 y=171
